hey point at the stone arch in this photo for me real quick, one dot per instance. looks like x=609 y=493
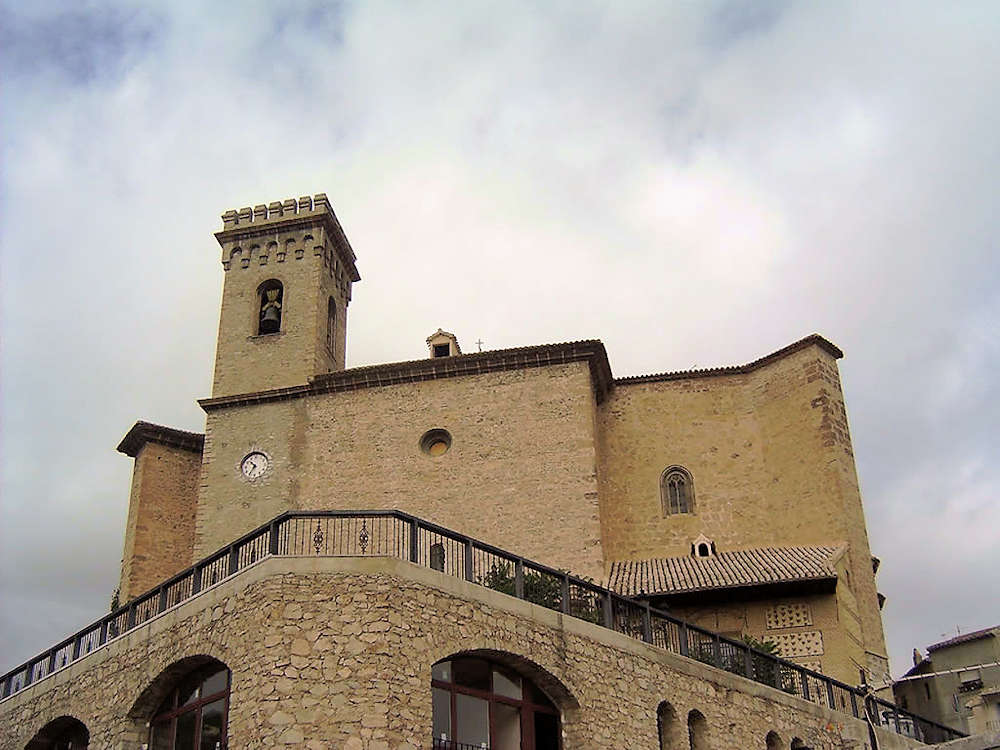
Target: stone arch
x=773 y=740
x=161 y=685
x=669 y=728
x=543 y=678
x=697 y=730
x=62 y=733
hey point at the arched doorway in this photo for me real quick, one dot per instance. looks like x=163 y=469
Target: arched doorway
x=64 y=733
x=480 y=702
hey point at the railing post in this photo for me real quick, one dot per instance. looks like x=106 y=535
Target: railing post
x=748 y=663
x=414 y=541
x=195 y=580
x=161 y=605
x=102 y=637
x=470 y=569
x=805 y=685
x=130 y=617
x=5 y=686
x=607 y=611
x=829 y=694
x=519 y=578
x=272 y=542
x=564 y=594
x=234 y=559
x=647 y=625
x=854 y=705
x=75 y=653
x=895 y=717
x=682 y=633
x=717 y=651
x=29 y=674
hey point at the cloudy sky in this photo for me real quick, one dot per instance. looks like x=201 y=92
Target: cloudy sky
x=696 y=184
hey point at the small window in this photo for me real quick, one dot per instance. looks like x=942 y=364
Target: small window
x=676 y=491
x=435 y=442
x=271 y=297
x=331 y=327
x=442 y=350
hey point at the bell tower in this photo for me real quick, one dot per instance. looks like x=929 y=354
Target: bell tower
x=289 y=270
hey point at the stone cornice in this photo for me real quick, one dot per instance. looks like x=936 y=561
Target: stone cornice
x=375 y=376
x=263 y=220
x=813 y=340
x=147 y=432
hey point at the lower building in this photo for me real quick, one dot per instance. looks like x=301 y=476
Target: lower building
x=958 y=683
x=377 y=631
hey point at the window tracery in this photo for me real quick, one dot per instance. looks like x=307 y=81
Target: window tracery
x=676 y=491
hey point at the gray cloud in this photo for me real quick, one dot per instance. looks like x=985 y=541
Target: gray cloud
x=695 y=185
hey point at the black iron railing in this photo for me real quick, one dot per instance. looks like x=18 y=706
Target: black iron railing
x=395 y=534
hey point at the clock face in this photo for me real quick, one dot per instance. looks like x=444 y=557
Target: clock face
x=254 y=465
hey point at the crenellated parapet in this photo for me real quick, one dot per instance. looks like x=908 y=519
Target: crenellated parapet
x=289 y=230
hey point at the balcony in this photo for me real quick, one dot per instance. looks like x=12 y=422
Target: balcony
x=404 y=537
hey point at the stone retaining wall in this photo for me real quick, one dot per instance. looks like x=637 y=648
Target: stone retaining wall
x=336 y=653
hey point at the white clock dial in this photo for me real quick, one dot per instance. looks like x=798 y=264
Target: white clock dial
x=254 y=465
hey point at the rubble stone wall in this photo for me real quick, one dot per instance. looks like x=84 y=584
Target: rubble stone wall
x=332 y=653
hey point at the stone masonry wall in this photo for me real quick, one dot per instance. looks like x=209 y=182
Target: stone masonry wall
x=336 y=653
x=771 y=459
x=302 y=261
x=159 y=532
x=520 y=473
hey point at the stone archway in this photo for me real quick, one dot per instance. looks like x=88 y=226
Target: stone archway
x=63 y=733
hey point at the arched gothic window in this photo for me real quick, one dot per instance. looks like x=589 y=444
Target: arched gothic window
x=478 y=703
x=270 y=295
x=195 y=713
x=676 y=491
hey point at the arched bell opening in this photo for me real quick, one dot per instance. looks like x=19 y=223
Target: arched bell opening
x=270 y=296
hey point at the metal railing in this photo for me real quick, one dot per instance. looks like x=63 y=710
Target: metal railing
x=399 y=535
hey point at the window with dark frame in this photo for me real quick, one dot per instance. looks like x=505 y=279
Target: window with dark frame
x=442 y=350
x=676 y=491
x=331 y=327
x=195 y=713
x=477 y=703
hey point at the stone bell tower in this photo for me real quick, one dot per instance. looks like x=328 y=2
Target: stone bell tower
x=289 y=270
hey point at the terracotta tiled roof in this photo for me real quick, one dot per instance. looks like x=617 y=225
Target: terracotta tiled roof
x=147 y=432
x=966 y=637
x=749 y=567
x=434 y=368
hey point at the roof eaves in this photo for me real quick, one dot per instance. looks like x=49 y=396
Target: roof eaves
x=812 y=340
x=147 y=432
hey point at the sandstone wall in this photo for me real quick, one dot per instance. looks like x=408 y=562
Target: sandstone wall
x=520 y=473
x=336 y=653
x=159 y=532
x=304 y=262
x=770 y=455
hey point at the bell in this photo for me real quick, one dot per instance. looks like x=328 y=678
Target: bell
x=270 y=320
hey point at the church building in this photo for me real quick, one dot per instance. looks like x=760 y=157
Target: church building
x=501 y=549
